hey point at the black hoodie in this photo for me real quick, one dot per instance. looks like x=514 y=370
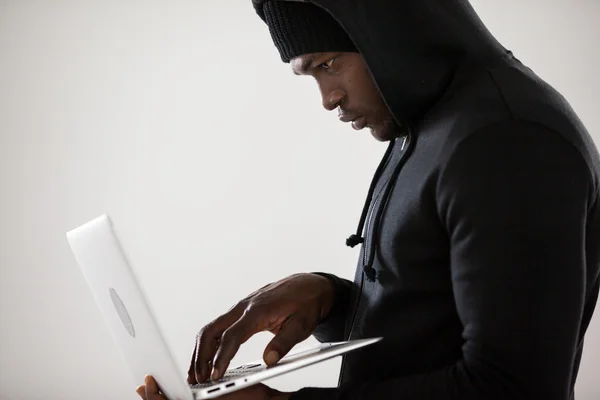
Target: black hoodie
x=481 y=254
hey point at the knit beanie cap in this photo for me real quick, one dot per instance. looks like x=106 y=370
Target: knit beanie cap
x=299 y=28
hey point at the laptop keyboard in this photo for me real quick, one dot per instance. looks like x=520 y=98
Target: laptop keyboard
x=232 y=374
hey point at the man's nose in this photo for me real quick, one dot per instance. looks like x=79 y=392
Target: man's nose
x=333 y=99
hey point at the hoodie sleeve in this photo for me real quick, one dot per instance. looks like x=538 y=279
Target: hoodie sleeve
x=332 y=328
x=514 y=200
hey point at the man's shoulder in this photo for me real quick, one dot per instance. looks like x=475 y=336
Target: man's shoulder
x=510 y=98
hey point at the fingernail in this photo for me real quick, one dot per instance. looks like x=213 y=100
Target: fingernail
x=215 y=374
x=272 y=357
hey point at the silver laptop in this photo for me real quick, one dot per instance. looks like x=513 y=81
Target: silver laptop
x=135 y=331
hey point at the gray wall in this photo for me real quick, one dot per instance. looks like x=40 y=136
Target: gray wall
x=215 y=162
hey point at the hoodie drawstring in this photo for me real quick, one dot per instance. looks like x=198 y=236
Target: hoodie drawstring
x=356 y=238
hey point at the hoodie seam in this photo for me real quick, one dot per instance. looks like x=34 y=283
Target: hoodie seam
x=500 y=93
x=596 y=193
x=483 y=129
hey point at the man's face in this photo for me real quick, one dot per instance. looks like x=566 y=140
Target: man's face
x=346 y=84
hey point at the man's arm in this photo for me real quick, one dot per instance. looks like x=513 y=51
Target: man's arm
x=332 y=328
x=514 y=199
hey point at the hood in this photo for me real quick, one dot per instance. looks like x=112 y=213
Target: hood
x=412 y=47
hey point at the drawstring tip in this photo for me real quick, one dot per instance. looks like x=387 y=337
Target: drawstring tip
x=354 y=240
x=370 y=273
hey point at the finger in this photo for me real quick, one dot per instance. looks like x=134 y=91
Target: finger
x=191 y=378
x=141 y=391
x=204 y=373
x=293 y=331
x=151 y=388
x=231 y=340
x=207 y=340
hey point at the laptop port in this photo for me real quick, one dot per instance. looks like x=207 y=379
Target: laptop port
x=214 y=390
x=230 y=385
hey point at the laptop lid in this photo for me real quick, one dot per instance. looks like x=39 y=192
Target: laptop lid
x=133 y=327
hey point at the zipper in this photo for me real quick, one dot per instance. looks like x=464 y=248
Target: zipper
x=368 y=227
x=362 y=277
x=366 y=247
x=369 y=239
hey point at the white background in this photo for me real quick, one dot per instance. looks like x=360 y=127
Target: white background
x=218 y=166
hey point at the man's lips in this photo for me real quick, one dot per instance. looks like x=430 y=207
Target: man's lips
x=358 y=122
x=347 y=117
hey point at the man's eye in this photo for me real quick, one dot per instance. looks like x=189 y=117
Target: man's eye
x=328 y=64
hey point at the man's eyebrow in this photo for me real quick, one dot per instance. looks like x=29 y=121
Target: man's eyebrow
x=304 y=66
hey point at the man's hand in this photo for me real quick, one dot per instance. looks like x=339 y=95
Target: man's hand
x=149 y=391
x=290 y=308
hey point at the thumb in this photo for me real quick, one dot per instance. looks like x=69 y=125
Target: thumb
x=292 y=332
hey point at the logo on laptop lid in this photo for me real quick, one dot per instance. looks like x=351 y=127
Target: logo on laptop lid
x=122 y=311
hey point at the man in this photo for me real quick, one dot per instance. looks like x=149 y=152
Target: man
x=480 y=252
